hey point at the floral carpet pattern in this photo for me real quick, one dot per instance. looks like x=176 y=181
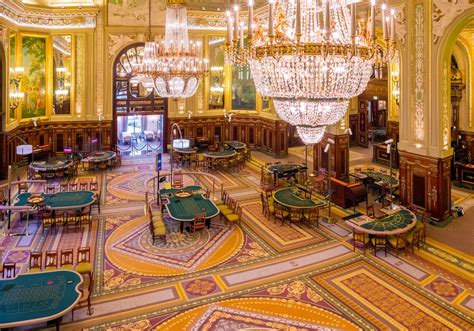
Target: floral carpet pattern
x=259 y=274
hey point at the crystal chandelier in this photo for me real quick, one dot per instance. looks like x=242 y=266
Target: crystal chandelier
x=173 y=65
x=310 y=58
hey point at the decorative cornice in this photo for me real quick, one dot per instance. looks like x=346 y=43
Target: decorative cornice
x=445 y=12
x=18 y=14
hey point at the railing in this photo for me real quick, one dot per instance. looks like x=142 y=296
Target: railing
x=133 y=147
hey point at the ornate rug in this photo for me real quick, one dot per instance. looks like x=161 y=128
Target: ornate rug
x=129 y=248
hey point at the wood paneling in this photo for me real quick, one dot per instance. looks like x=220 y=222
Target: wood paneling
x=339 y=155
x=269 y=136
x=56 y=136
x=425 y=182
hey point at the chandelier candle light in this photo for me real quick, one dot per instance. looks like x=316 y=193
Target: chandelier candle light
x=172 y=65
x=311 y=58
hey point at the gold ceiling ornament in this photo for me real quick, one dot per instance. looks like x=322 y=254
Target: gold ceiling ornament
x=311 y=57
x=172 y=65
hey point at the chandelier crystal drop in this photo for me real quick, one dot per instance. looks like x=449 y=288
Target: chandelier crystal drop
x=310 y=134
x=311 y=58
x=173 y=64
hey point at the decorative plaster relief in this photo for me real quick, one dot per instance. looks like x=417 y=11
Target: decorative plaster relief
x=445 y=12
x=419 y=73
x=116 y=42
x=400 y=20
x=17 y=13
x=445 y=108
x=99 y=72
x=79 y=93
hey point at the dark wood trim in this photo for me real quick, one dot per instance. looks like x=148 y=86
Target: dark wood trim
x=339 y=155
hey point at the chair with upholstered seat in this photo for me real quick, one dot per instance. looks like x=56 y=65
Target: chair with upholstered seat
x=198 y=223
x=84 y=266
x=9 y=270
x=370 y=211
x=227 y=208
x=311 y=216
x=22 y=187
x=414 y=239
x=66 y=260
x=379 y=242
x=63 y=187
x=36 y=262
x=93 y=186
x=361 y=239
x=83 y=186
x=295 y=215
x=85 y=217
x=50 y=189
x=397 y=242
x=235 y=217
x=47 y=219
x=72 y=186
x=280 y=213
x=51 y=260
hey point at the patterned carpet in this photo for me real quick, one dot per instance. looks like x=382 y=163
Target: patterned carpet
x=257 y=275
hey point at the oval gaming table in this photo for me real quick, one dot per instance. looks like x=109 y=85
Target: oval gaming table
x=60 y=200
x=376 y=176
x=38 y=297
x=169 y=192
x=50 y=166
x=395 y=223
x=286 y=170
x=98 y=157
x=220 y=155
x=289 y=197
x=235 y=145
x=184 y=209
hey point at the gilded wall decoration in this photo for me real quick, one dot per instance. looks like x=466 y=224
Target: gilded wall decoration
x=419 y=73
x=25 y=16
x=400 y=20
x=444 y=13
x=135 y=12
x=446 y=107
x=117 y=42
x=99 y=72
x=80 y=49
x=33 y=83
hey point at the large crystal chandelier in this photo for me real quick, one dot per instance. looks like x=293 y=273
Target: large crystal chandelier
x=310 y=58
x=173 y=65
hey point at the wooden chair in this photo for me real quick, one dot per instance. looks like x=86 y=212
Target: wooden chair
x=295 y=215
x=36 y=262
x=51 y=260
x=414 y=239
x=227 y=208
x=9 y=270
x=280 y=213
x=84 y=266
x=379 y=242
x=398 y=242
x=360 y=238
x=312 y=216
x=93 y=186
x=370 y=211
x=85 y=301
x=72 y=186
x=103 y=165
x=47 y=219
x=235 y=217
x=83 y=186
x=22 y=187
x=50 y=189
x=63 y=187
x=85 y=217
x=199 y=222
x=66 y=260
x=178 y=179
x=70 y=220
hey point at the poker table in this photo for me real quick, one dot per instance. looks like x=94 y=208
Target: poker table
x=395 y=223
x=236 y=145
x=184 y=209
x=60 y=200
x=188 y=150
x=52 y=165
x=167 y=192
x=100 y=157
x=293 y=198
x=285 y=170
x=220 y=155
x=376 y=176
x=38 y=297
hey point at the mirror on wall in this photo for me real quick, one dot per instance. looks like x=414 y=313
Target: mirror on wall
x=216 y=75
x=62 y=74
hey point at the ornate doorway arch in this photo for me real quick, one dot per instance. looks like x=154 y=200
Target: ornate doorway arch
x=132 y=98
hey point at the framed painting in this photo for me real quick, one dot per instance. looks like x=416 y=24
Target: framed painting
x=34 y=80
x=243 y=89
x=135 y=13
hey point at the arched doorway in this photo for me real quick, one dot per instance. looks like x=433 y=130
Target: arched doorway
x=140 y=115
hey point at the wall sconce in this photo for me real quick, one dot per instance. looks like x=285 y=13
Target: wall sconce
x=16 y=75
x=396 y=86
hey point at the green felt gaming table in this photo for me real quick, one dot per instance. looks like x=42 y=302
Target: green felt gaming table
x=184 y=209
x=290 y=197
x=100 y=156
x=60 y=200
x=236 y=145
x=398 y=222
x=220 y=155
x=376 y=176
x=166 y=192
x=38 y=297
